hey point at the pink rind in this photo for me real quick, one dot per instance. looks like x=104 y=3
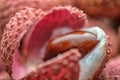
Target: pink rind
x=14 y=32
x=65 y=66
x=18 y=26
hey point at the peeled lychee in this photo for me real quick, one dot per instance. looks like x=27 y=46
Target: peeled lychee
x=25 y=41
x=109 y=31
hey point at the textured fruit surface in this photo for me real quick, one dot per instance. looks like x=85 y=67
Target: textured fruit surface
x=112 y=70
x=59 y=18
x=62 y=67
x=100 y=8
x=14 y=32
x=25 y=26
x=28 y=33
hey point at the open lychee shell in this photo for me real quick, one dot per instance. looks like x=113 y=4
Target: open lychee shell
x=26 y=36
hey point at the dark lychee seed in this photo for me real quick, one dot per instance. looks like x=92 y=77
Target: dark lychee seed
x=82 y=40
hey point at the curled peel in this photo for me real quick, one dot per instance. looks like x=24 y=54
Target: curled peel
x=96 y=58
x=109 y=31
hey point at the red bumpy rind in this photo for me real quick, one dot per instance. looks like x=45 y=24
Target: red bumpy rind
x=19 y=25
x=65 y=66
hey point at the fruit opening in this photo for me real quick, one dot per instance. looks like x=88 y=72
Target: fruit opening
x=38 y=36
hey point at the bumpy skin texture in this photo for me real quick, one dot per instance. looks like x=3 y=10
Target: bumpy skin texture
x=14 y=31
x=109 y=31
x=100 y=8
x=112 y=70
x=9 y=7
x=21 y=23
x=65 y=66
x=59 y=18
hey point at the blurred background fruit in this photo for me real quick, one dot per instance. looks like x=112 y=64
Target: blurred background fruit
x=4 y=76
x=100 y=8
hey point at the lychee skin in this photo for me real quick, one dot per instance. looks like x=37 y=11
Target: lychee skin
x=65 y=66
x=14 y=31
x=100 y=8
x=23 y=21
x=28 y=20
x=112 y=70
